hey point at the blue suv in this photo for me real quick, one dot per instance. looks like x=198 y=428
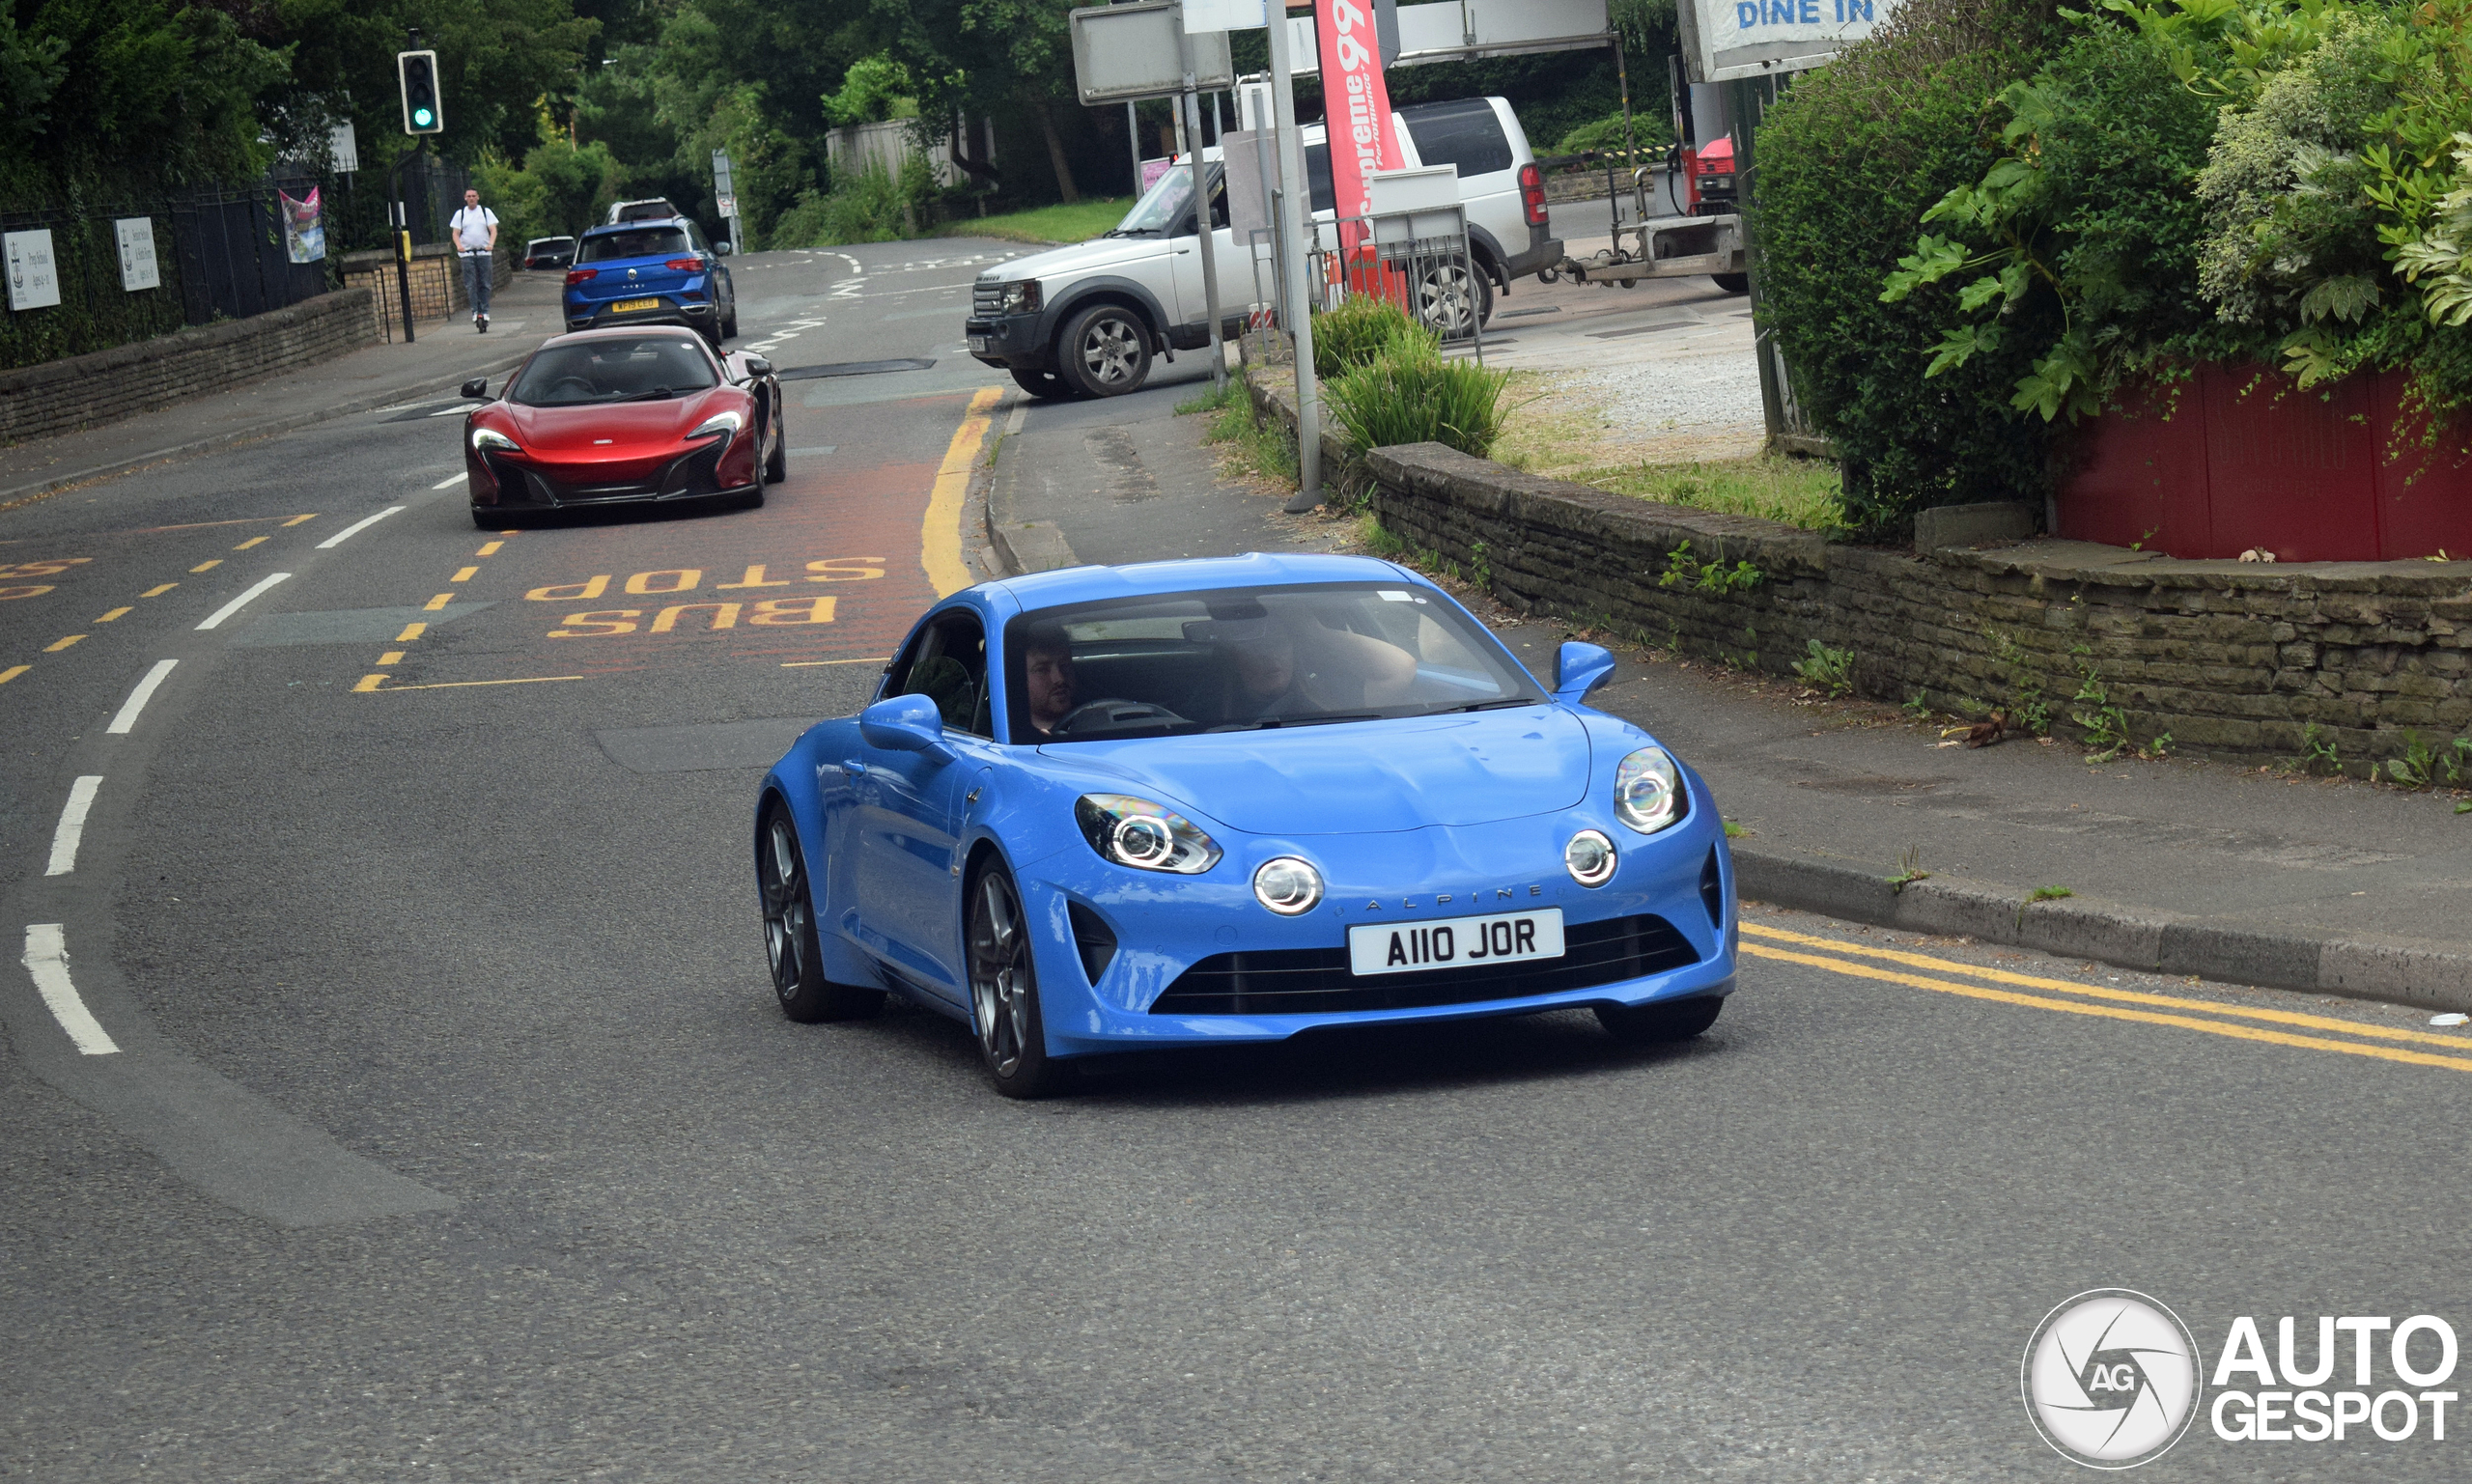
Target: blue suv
x=652 y=272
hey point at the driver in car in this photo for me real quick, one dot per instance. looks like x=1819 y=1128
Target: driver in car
x=1046 y=678
x=1351 y=670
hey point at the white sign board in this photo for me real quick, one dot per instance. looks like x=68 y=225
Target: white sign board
x=343 y=148
x=1728 y=39
x=1123 y=52
x=728 y=206
x=34 y=279
x=137 y=269
x=1202 y=15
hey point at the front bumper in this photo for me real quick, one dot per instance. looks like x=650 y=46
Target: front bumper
x=500 y=481
x=1010 y=341
x=1196 y=961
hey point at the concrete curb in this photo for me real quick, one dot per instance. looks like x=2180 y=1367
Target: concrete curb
x=2434 y=977
x=265 y=427
x=1019 y=546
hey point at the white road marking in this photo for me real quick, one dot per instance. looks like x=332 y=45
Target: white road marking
x=72 y=825
x=214 y=620
x=355 y=528
x=48 y=959
x=449 y=411
x=138 y=697
x=449 y=483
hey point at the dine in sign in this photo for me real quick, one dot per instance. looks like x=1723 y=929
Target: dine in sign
x=1728 y=39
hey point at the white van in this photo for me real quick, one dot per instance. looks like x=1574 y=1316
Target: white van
x=1085 y=321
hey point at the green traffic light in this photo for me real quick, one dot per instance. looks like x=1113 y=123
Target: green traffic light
x=421 y=117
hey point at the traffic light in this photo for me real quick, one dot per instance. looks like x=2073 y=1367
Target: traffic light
x=418 y=72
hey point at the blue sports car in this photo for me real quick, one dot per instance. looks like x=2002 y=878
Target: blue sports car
x=1197 y=802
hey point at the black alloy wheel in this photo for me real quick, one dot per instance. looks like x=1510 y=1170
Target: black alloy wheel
x=790 y=943
x=1005 y=990
x=1663 y=1020
x=1105 y=352
x=776 y=464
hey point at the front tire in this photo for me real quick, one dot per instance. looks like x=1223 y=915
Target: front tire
x=776 y=464
x=1105 y=352
x=1733 y=282
x=1005 y=990
x=1046 y=384
x=790 y=943
x=1660 y=1021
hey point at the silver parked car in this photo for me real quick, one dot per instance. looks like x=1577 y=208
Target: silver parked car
x=1087 y=321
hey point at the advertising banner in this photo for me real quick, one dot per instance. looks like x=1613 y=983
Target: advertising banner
x=1356 y=103
x=304 y=229
x=1728 y=39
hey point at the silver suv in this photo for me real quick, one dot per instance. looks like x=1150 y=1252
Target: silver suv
x=1087 y=321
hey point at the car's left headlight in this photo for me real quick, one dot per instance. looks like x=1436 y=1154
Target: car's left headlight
x=1017 y=299
x=1146 y=837
x=491 y=437
x=720 y=422
x=1647 y=791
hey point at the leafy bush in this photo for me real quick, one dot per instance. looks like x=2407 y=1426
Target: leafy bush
x=1362 y=327
x=1408 y=393
x=1648 y=133
x=869 y=206
x=2229 y=181
x=1848 y=162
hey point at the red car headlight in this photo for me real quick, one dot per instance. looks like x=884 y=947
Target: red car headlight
x=723 y=422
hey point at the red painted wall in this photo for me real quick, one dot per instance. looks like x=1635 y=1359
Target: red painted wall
x=2240 y=457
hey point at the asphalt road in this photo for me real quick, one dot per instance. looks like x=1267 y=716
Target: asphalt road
x=450 y=1132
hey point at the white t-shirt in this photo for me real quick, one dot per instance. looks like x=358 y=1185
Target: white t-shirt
x=471 y=226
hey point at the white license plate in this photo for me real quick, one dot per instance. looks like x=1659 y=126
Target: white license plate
x=1455 y=943
x=977 y=343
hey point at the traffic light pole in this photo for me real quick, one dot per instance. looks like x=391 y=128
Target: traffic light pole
x=403 y=224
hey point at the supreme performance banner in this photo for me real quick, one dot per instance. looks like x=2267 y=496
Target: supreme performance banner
x=1357 y=105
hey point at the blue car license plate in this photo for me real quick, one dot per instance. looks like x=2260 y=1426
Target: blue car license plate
x=1455 y=943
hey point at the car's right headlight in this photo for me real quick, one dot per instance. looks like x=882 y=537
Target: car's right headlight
x=723 y=421
x=1019 y=297
x=491 y=437
x=1146 y=837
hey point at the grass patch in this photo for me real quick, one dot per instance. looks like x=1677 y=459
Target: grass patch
x=1076 y=222
x=1261 y=449
x=1802 y=493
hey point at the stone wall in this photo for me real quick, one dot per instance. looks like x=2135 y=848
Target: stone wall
x=85 y=391
x=2234 y=660
x=436 y=283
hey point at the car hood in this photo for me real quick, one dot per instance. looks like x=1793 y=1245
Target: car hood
x=1360 y=777
x=1096 y=256
x=613 y=428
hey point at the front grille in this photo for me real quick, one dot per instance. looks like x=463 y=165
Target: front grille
x=695 y=472
x=987 y=300
x=1293 y=981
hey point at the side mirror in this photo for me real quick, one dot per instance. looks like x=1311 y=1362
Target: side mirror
x=1579 y=669
x=906 y=723
x=758 y=366
x=722 y=249
x=478 y=388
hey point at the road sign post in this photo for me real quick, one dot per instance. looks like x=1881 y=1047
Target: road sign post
x=724 y=196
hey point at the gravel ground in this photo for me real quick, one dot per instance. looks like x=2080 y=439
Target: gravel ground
x=1711 y=389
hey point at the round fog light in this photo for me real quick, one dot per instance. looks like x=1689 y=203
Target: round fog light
x=1287 y=886
x=1590 y=857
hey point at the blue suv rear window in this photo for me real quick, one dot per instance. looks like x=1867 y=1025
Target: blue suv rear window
x=645 y=242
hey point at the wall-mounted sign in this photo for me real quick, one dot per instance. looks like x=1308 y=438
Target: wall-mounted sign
x=1728 y=39
x=137 y=269
x=34 y=277
x=343 y=148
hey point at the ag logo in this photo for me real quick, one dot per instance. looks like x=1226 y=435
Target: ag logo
x=2111 y=1379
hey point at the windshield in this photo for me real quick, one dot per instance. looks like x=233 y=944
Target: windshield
x=594 y=371
x=644 y=242
x=1247 y=659
x=1162 y=207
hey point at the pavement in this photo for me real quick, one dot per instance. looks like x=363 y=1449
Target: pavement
x=444 y=354
x=2268 y=878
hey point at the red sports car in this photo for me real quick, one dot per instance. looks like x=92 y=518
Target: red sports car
x=603 y=417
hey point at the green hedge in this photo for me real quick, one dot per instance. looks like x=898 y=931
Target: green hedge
x=1848 y=162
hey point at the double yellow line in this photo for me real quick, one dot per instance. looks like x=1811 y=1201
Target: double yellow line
x=2238 y=1021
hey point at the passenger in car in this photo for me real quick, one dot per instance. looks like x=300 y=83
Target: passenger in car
x=1342 y=669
